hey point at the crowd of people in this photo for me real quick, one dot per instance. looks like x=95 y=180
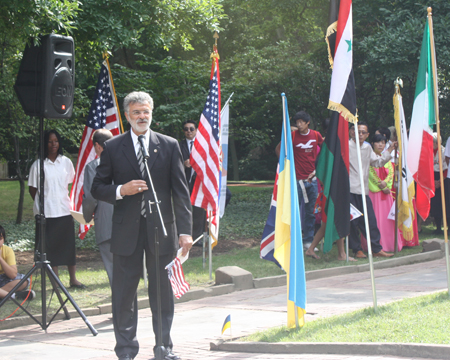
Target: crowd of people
x=378 y=155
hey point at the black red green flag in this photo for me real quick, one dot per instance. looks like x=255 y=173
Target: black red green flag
x=332 y=171
x=333 y=164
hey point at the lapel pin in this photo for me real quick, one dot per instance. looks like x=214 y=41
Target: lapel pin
x=156 y=150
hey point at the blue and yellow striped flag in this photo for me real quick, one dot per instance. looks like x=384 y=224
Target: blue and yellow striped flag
x=226 y=324
x=288 y=230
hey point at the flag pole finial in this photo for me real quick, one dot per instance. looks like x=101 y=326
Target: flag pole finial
x=215 y=53
x=398 y=83
x=429 y=10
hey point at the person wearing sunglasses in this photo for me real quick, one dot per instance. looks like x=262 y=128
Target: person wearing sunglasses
x=186 y=146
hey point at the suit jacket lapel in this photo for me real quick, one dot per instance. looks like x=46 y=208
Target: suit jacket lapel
x=130 y=154
x=153 y=149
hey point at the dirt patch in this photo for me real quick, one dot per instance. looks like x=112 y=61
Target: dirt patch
x=92 y=259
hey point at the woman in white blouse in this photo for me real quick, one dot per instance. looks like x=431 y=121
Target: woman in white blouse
x=59 y=232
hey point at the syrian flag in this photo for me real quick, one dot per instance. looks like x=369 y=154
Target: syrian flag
x=420 y=156
x=333 y=163
x=340 y=46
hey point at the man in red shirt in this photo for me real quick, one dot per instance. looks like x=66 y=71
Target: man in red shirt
x=305 y=143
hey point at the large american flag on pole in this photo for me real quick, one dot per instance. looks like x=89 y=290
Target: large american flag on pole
x=205 y=155
x=103 y=114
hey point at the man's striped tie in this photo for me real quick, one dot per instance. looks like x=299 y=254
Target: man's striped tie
x=142 y=167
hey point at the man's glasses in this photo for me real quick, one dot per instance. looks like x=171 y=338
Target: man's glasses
x=189 y=128
x=362 y=132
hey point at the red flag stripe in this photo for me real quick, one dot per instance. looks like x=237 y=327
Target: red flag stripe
x=103 y=107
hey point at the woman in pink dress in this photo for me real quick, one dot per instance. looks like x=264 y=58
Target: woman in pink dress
x=380 y=184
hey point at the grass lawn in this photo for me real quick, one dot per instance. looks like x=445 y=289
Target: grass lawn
x=422 y=319
x=244 y=218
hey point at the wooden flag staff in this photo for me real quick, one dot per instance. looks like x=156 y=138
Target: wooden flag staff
x=438 y=128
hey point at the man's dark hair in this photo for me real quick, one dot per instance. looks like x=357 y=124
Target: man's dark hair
x=2 y=233
x=47 y=137
x=378 y=137
x=101 y=136
x=190 y=122
x=385 y=131
x=301 y=115
x=365 y=124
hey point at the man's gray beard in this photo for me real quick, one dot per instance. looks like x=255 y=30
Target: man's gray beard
x=137 y=130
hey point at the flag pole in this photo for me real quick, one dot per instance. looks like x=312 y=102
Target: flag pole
x=396 y=176
x=438 y=128
x=283 y=100
x=210 y=245
x=283 y=103
x=366 y=219
x=105 y=55
x=397 y=188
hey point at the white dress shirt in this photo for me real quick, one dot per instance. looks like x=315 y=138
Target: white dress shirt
x=137 y=148
x=58 y=176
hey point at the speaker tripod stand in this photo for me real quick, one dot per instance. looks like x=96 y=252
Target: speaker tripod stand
x=41 y=262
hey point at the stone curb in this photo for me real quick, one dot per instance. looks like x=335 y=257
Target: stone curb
x=373 y=349
x=216 y=290
x=280 y=280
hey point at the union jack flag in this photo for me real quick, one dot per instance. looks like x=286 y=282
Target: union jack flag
x=103 y=114
x=268 y=236
x=205 y=155
x=176 y=277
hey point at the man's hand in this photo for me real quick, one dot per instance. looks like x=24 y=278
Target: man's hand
x=311 y=176
x=437 y=184
x=187 y=163
x=133 y=187
x=386 y=191
x=185 y=242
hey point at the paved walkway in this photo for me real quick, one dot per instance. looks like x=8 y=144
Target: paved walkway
x=198 y=322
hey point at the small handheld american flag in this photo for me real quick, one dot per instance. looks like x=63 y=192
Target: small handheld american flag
x=176 y=277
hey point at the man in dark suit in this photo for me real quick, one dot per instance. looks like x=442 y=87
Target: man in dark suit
x=121 y=180
x=186 y=145
x=99 y=210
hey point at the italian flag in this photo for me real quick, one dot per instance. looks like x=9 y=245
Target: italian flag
x=420 y=154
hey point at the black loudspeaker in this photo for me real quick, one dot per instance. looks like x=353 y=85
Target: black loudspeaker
x=46 y=79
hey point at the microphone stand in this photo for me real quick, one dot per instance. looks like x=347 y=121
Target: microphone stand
x=160 y=351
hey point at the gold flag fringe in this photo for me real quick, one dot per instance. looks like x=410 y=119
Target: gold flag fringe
x=405 y=207
x=346 y=114
x=330 y=31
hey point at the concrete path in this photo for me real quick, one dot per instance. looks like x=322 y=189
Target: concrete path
x=198 y=322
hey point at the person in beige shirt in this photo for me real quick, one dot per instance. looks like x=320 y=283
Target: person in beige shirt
x=368 y=158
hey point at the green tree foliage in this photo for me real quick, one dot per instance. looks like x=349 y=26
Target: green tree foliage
x=387 y=38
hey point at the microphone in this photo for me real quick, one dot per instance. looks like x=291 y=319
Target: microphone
x=144 y=149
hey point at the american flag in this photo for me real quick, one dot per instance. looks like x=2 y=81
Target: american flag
x=176 y=277
x=103 y=114
x=205 y=155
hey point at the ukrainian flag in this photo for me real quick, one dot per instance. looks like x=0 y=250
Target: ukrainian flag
x=226 y=324
x=288 y=230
